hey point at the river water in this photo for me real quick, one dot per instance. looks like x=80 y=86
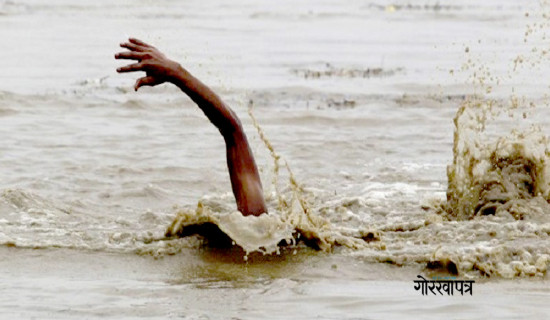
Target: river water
x=410 y=138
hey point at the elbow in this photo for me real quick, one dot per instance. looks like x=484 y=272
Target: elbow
x=232 y=128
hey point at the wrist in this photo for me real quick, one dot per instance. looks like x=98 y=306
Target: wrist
x=180 y=77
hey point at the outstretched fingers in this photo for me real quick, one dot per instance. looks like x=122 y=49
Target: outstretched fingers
x=134 y=47
x=132 y=55
x=147 y=58
x=131 y=67
x=140 y=43
x=134 y=44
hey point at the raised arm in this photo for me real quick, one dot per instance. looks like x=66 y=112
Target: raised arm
x=243 y=172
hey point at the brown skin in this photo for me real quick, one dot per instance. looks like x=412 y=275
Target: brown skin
x=243 y=172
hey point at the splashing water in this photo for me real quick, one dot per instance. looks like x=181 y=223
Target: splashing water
x=293 y=220
x=499 y=185
x=490 y=173
x=509 y=174
x=495 y=221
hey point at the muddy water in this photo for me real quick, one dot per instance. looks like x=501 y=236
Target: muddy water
x=356 y=100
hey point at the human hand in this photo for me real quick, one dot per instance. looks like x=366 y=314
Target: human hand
x=154 y=63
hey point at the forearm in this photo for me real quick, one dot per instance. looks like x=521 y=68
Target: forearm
x=245 y=179
x=209 y=102
x=243 y=172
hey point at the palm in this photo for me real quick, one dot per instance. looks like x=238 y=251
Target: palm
x=157 y=67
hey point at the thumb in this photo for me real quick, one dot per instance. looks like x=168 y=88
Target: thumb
x=145 y=81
